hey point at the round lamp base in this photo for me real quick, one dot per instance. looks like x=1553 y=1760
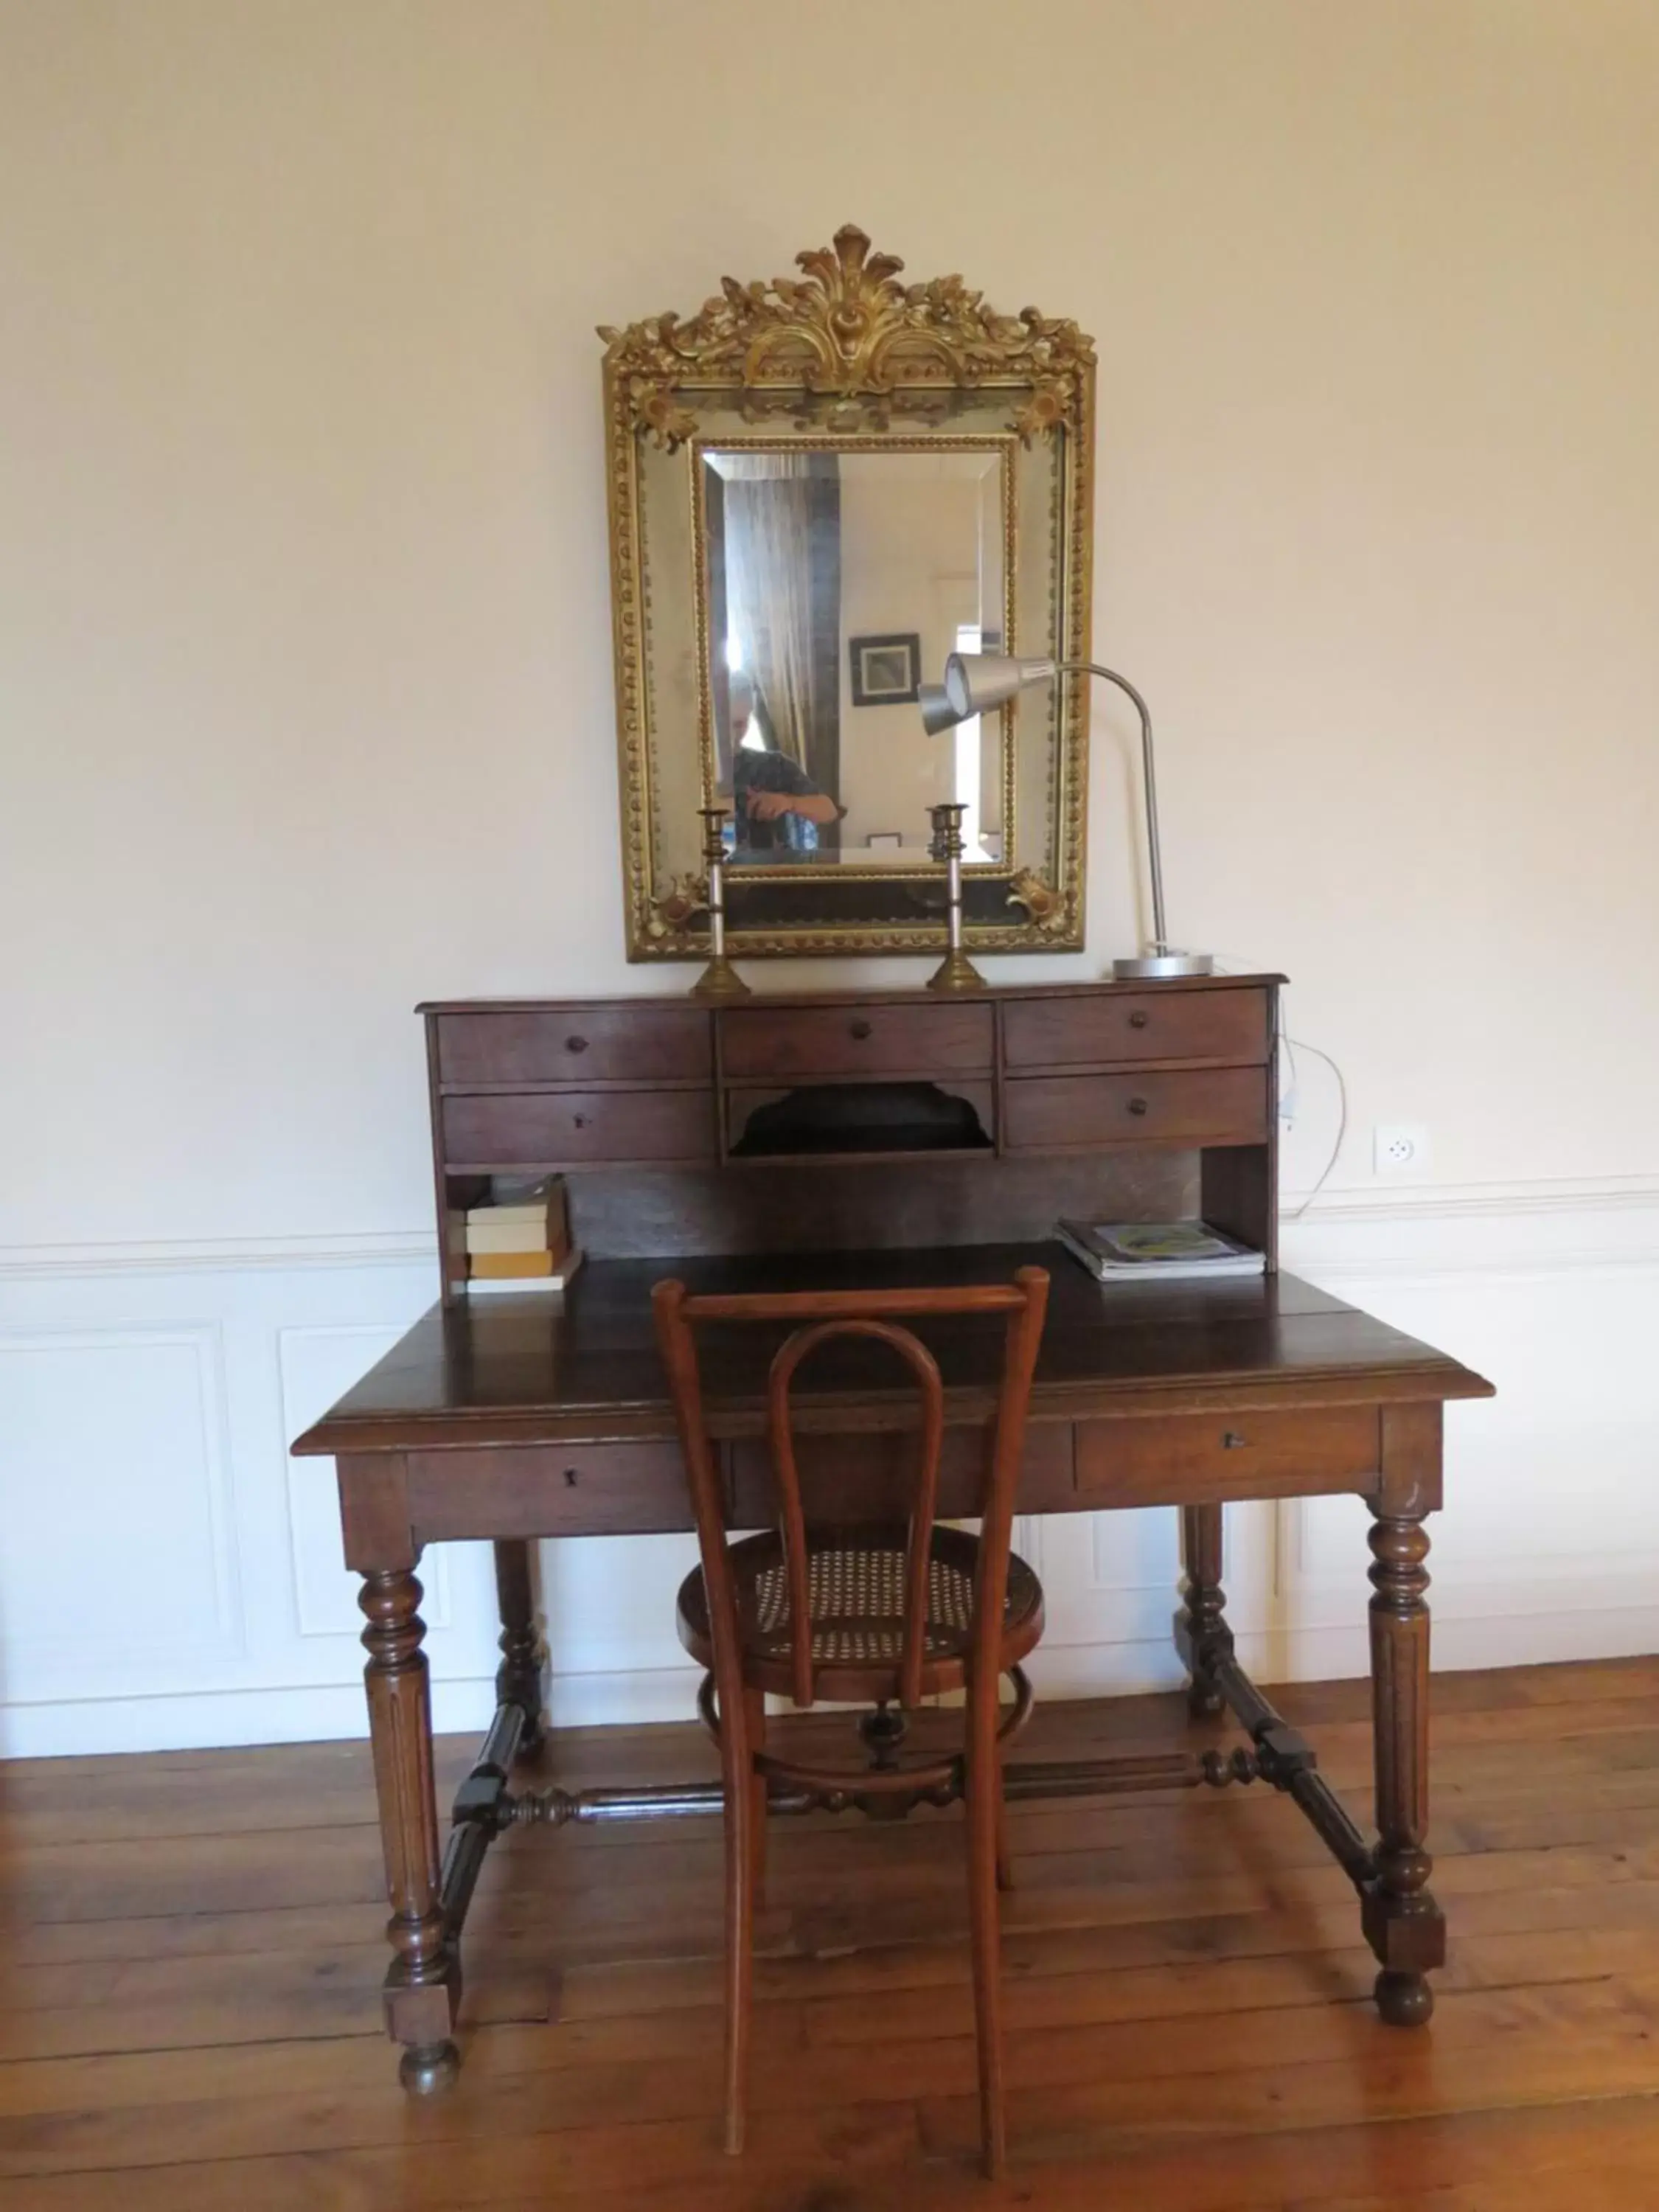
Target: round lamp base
x=1159 y=966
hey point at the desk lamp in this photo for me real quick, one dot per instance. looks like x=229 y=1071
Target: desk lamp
x=975 y=682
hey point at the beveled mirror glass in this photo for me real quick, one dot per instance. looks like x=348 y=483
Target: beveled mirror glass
x=819 y=487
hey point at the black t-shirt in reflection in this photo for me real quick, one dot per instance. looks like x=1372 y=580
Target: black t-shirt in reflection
x=755 y=770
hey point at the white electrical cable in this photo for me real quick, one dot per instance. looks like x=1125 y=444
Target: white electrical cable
x=1341 y=1126
x=1283 y=1040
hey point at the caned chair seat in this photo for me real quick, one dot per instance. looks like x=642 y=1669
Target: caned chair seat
x=856 y=1595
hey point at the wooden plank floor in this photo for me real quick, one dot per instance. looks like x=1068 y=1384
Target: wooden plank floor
x=188 y=2018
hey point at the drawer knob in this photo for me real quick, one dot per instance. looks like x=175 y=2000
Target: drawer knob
x=580 y=1121
x=1137 y=1105
x=570 y=1478
x=1231 y=1441
x=1139 y=1018
x=575 y=1044
x=859 y=1030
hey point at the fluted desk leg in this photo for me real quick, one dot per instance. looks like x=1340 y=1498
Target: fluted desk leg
x=1201 y=1627
x=519 y=1677
x=1403 y=1925
x=423 y=1990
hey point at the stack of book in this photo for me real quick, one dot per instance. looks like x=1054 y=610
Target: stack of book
x=1158 y=1251
x=519 y=1240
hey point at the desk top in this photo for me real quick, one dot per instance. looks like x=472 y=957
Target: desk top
x=778 y=995
x=522 y=1371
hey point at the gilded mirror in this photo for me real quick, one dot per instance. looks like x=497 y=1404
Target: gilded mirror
x=819 y=487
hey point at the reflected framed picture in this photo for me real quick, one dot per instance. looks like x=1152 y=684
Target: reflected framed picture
x=886 y=670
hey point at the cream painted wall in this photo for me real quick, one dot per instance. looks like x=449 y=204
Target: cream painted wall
x=305 y=679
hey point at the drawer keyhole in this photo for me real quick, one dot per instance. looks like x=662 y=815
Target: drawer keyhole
x=859 y=1030
x=570 y=1478
x=1137 y=1105
x=1231 y=1441
x=575 y=1044
x=1138 y=1019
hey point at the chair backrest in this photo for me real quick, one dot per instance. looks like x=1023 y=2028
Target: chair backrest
x=823 y=1317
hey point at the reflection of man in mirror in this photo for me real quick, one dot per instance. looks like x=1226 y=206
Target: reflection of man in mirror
x=779 y=808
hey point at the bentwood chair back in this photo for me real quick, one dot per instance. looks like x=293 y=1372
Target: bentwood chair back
x=890 y=1613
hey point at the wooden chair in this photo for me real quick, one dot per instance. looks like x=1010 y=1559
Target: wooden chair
x=897 y=1613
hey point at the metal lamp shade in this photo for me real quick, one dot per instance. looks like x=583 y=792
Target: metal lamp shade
x=978 y=682
x=937 y=714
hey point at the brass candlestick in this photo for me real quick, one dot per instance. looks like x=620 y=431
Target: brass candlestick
x=955 y=972
x=720 y=979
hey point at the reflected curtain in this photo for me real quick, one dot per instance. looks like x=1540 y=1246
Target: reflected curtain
x=783 y=597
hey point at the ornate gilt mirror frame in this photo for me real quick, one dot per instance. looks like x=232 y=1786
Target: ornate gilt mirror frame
x=846 y=359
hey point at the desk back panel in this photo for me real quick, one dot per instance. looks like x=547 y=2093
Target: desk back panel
x=869 y=1205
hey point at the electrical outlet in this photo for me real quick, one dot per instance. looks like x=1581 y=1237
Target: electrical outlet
x=1400 y=1149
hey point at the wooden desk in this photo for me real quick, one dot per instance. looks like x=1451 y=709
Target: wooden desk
x=514 y=1420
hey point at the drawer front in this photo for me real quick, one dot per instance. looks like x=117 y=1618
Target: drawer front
x=854 y=1041
x=1063 y=1112
x=557 y=1129
x=576 y=1044
x=1191 y=1458
x=550 y=1489
x=872 y=1477
x=1126 y=1026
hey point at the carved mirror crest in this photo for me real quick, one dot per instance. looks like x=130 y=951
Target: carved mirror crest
x=819 y=487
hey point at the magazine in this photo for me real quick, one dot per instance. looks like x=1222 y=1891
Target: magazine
x=1167 y=1251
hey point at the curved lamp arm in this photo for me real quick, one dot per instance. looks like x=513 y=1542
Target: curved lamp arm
x=1149 y=780
x=976 y=682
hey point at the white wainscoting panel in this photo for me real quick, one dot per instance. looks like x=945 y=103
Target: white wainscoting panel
x=609 y=1608
x=316 y=1366
x=111 y=1434
x=1548 y=1543
x=1112 y=1585
x=171 y=1577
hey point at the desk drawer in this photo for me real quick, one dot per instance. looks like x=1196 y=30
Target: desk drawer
x=558 y=1128
x=1190 y=1458
x=576 y=1044
x=1069 y=1113
x=872 y=1476
x=550 y=1489
x=856 y=1041
x=1105 y=1031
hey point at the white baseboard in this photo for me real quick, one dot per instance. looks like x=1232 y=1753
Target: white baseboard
x=1333 y=1655
x=216 y=1720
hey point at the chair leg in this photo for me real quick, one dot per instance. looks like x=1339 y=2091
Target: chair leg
x=1005 y=1854
x=984 y=1795
x=740 y=1932
x=754 y=1708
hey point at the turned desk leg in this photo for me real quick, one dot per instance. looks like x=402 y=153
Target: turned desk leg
x=422 y=1989
x=1403 y=1922
x=1202 y=1618
x=519 y=1677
